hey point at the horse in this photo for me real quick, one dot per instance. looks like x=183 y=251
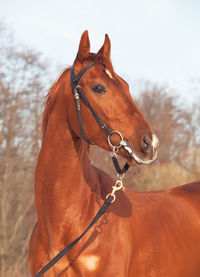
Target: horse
x=142 y=233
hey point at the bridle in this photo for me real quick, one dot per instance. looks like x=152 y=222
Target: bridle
x=110 y=198
x=78 y=94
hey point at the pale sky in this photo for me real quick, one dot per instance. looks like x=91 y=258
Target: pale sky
x=155 y=40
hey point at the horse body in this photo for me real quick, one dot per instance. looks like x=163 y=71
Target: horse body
x=167 y=234
x=142 y=234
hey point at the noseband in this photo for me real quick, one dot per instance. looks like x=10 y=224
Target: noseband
x=78 y=94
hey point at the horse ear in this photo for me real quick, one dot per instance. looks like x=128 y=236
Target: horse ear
x=105 y=49
x=84 y=47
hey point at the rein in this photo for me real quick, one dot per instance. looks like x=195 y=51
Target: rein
x=111 y=197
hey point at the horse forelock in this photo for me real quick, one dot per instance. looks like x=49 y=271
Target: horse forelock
x=99 y=59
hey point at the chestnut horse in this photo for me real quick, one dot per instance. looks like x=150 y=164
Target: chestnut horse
x=142 y=233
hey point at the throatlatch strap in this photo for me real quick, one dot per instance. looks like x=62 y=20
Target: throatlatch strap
x=101 y=211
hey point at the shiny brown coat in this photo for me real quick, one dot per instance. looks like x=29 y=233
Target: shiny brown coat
x=148 y=234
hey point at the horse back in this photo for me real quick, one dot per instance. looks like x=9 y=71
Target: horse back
x=191 y=194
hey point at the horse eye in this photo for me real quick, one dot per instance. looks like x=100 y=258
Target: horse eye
x=99 y=88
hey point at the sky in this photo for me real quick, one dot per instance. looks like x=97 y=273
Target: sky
x=152 y=40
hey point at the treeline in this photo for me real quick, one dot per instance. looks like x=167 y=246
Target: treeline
x=23 y=76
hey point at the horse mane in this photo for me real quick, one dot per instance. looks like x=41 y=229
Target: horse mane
x=50 y=100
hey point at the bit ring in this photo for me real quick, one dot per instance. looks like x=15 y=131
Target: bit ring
x=110 y=143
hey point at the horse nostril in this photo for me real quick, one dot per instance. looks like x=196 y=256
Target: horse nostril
x=146 y=144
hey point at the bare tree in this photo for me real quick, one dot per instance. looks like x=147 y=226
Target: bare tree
x=22 y=77
x=168 y=119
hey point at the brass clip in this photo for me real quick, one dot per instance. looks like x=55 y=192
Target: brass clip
x=118 y=186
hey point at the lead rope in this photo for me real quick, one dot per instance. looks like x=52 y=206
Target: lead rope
x=110 y=197
x=53 y=261
x=117 y=186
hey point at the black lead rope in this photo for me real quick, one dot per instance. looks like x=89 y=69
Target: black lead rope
x=52 y=262
x=78 y=93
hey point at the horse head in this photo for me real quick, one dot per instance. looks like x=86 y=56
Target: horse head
x=108 y=94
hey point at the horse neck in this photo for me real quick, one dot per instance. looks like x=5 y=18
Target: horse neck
x=68 y=156
x=63 y=166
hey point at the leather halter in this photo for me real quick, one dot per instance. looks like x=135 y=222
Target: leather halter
x=78 y=94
